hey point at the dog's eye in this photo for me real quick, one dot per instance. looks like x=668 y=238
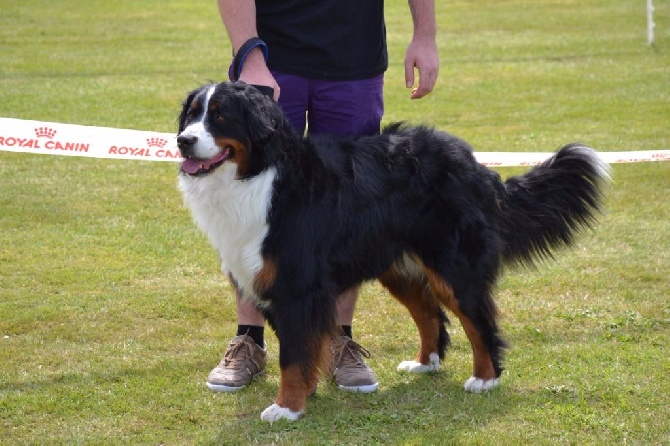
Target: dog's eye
x=218 y=117
x=190 y=114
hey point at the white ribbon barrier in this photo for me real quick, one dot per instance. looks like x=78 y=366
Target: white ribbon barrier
x=51 y=138
x=493 y=159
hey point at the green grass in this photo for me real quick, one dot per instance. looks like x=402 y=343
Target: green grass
x=112 y=308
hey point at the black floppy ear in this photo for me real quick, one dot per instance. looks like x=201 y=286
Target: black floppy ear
x=186 y=106
x=262 y=115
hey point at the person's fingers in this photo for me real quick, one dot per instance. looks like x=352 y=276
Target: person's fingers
x=409 y=73
x=427 y=79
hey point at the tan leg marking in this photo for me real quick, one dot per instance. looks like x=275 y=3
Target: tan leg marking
x=266 y=276
x=415 y=296
x=293 y=389
x=482 y=365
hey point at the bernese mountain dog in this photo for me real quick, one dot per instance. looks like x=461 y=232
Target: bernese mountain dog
x=298 y=220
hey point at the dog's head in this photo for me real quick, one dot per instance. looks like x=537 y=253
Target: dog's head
x=226 y=123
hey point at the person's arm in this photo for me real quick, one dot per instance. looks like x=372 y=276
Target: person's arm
x=239 y=19
x=422 y=50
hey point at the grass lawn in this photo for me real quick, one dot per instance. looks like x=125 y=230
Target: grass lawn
x=113 y=309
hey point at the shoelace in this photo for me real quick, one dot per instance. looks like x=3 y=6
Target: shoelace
x=245 y=350
x=356 y=352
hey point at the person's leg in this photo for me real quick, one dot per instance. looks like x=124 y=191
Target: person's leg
x=293 y=99
x=246 y=355
x=348 y=108
x=250 y=321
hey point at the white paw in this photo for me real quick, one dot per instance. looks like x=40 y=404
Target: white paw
x=416 y=367
x=276 y=412
x=478 y=385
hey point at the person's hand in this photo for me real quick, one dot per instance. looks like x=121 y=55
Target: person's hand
x=255 y=72
x=422 y=56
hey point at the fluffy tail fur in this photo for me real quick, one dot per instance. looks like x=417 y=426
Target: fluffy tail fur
x=546 y=207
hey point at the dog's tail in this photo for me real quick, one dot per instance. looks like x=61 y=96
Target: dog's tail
x=546 y=207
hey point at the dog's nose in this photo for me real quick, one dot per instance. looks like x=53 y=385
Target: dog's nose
x=185 y=144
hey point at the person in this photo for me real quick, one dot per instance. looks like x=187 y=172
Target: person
x=325 y=62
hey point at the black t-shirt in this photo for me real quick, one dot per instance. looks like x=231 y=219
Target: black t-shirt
x=324 y=39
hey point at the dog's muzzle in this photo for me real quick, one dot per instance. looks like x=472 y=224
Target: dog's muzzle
x=196 y=166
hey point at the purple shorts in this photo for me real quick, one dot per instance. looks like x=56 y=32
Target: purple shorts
x=341 y=108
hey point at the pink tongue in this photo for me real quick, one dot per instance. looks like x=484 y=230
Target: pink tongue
x=195 y=165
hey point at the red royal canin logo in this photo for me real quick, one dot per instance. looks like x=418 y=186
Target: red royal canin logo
x=156 y=142
x=45 y=132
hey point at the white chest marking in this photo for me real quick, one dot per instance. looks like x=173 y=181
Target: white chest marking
x=233 y=215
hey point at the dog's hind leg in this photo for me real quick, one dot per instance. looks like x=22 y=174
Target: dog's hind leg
x=477 y=314
x=407 y=284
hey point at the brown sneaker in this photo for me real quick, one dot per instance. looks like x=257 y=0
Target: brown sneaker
x=243 y=360
x=350 y=371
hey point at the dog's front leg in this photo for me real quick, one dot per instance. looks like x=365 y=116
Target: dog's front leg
x=299 y=360
x=292 y=397
x=304 y=338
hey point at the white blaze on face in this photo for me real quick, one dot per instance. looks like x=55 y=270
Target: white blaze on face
x=205 y=146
